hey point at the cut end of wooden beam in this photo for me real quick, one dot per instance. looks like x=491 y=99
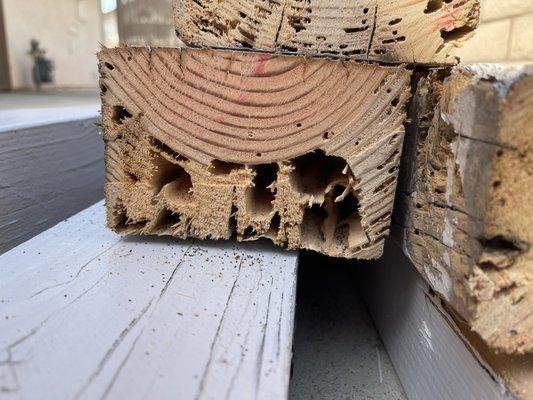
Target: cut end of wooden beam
x=205 y=143
x=420 y=31
x=466 y=201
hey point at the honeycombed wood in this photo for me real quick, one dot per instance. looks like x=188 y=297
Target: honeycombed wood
x=302 y=151
x=416 y=31
x=466 y=199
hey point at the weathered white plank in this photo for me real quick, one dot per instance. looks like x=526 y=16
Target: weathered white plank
x=47 y=173
x=25 y=118
x=85 y=313
x=431 y=358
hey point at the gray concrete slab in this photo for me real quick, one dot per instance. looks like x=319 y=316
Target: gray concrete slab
x=47 y=99
x=338 y=353
x=21 y=110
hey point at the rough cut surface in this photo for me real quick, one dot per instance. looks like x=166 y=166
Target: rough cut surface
x=466 y=199
x=415 y=31
x=205 y=143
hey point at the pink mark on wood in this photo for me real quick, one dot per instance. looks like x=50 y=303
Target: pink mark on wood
x=446 y=22
x=242 y=97
x=259 y=67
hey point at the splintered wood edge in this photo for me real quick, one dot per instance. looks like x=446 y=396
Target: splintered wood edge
x=420 y=31
x=465 y=202
x=302 y=151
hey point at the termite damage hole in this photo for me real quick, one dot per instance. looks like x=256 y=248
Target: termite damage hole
x=332 y=217
x=119 y=114
x=260 y=197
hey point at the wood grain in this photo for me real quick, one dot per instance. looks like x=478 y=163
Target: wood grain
x=101 y=316
x=303 y=151
x=417 y=31
x=466 y=195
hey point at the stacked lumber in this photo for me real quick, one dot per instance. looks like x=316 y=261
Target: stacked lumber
x=465 y=198
x=214 y=142
x=285 y=120
x=419 y=31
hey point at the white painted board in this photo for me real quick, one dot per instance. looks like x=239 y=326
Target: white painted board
x=87 y=314
x=431 y=358
x=24 y=118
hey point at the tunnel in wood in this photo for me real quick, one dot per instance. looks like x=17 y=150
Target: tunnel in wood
x=210 y=143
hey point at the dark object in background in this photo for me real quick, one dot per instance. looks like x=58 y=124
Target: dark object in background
x=43 y=67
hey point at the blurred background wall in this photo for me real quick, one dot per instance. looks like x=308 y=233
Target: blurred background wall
x=70 y=31
x=505 y=34
x=139 y=24
x=4 y=62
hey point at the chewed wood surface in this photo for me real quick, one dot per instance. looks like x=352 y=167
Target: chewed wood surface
x=465 y=198
x=88 y=314
x=302 y=151
x=415 y=31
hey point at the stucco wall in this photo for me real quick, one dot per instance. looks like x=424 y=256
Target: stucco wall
x=68 y=29
x=505 y=34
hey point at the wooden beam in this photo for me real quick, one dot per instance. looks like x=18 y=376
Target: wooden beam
x=146 y=22
x=466 y=195
x=97 y=315
x=302 y=151
x=428 y=350
x=420 y=31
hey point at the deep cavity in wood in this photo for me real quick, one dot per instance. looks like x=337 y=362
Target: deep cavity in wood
x=204 y=143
